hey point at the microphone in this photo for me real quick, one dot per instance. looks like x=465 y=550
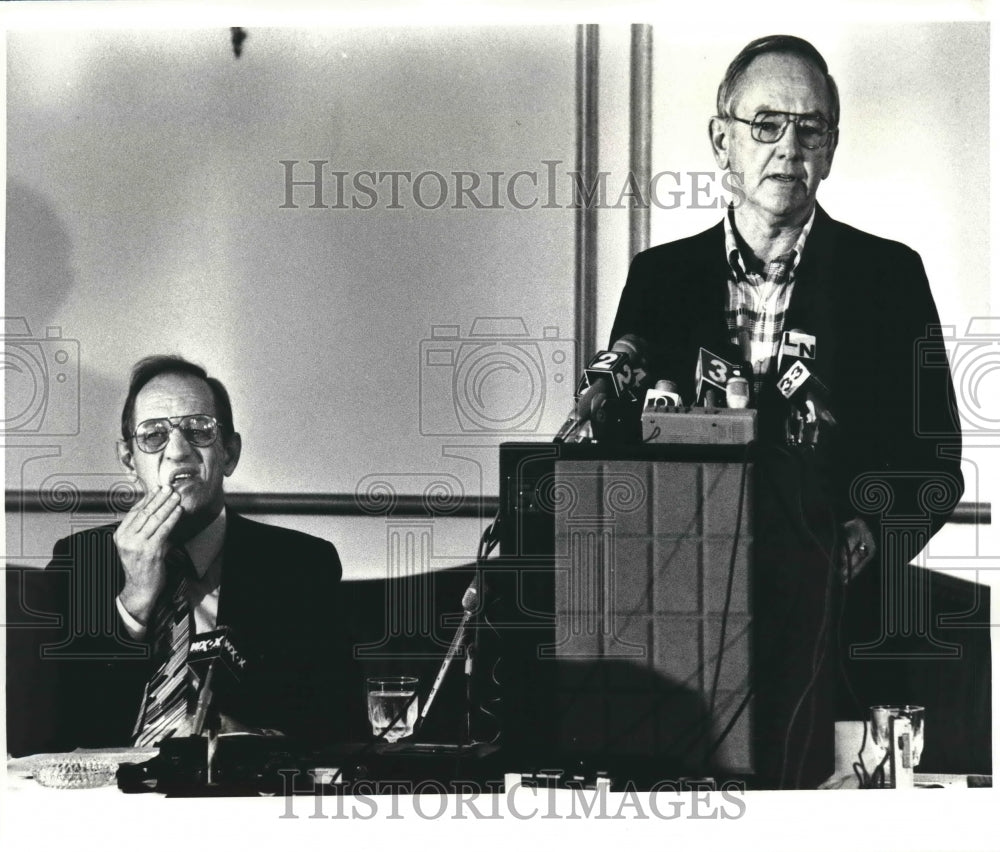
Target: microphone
x=470 y=601
x=210 y=652
x=713 y=373
x=613 y=375
x=810 y=399
x=737 y=392
x=804 y=389
x=799 y=384
x=630 y=345
x=664 y=395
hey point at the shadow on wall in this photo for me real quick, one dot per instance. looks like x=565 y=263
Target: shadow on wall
x=60 y=410
x=39 y=254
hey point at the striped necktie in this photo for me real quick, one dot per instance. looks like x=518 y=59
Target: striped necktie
x=167 y=694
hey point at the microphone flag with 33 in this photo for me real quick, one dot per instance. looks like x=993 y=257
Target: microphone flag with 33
x=804 y=389
x=797 y=378
x=613 y=375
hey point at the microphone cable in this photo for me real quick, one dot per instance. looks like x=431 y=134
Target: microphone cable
x=729 y=579
x=822 y=636
x=725 y=618
x=693 y=732
x=877 y=775
x=489 y=705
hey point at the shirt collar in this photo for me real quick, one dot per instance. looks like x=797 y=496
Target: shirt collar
x=733 y=250
x=206 y=547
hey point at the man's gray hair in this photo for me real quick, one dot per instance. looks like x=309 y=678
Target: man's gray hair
x=791 y=45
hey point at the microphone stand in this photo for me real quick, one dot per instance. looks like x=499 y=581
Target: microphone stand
x=469 y=601
x=204 y=700
x=470 y=651
x=205 y=696
x=456 y=644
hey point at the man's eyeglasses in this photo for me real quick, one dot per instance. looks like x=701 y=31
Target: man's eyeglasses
x=199 y=430
x=812 y=131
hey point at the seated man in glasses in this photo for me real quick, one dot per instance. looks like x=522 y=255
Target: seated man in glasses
x=181 y=564
x=777 y=281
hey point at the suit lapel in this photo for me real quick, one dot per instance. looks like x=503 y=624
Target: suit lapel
x=717 y=271
x=710 y=289
x=235 y=584
x=813 y=307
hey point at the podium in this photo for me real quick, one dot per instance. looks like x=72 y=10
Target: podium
x=655 y=620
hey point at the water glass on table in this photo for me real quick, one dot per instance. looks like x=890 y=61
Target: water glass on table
x=880 y=727
x=392 y=706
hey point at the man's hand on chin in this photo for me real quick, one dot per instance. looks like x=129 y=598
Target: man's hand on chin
x=143 y=541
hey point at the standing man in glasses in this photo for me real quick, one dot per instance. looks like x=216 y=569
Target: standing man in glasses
x=779 y=280
x=857 y=306
x=181 y=564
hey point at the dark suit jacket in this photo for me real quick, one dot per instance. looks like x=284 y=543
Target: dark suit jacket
x=869 y=305
x=280 y=598
x=894 y=460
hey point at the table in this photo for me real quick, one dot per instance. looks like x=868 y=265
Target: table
x=848 y=737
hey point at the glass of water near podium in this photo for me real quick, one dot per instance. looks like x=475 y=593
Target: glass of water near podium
x=392 y=706
x=897 y=731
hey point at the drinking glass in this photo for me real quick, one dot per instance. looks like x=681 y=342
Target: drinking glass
x=879 y=726
x=392 y=701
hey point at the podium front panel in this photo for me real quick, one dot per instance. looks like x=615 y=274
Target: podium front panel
x=639 y=566
x=643 y=554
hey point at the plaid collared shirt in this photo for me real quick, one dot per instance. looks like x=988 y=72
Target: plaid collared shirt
x=755 y=313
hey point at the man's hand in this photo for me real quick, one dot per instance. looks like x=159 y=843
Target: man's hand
x=142 y=540
x=856 y=548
